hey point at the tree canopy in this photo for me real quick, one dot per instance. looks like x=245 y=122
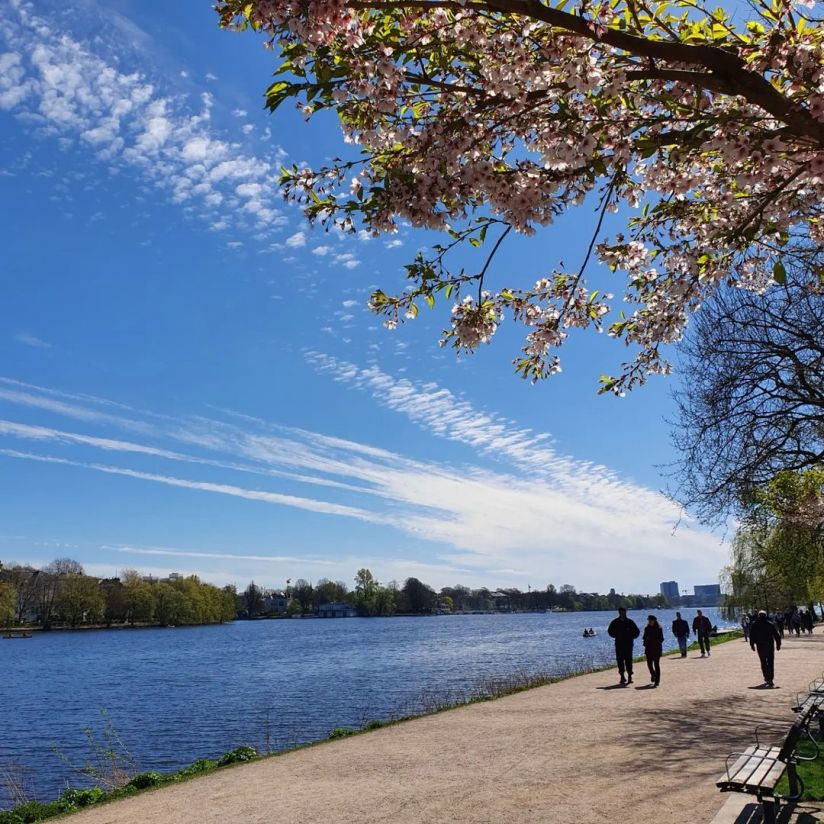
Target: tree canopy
x=751 y=401
x=480 y=118
x=778 y=551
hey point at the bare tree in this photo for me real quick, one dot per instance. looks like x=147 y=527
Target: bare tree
x=751 y=401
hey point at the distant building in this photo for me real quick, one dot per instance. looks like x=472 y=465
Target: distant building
x=669 y=589
x=502 y=601
x=708 y=595
x=337 y=610
x=274 y=601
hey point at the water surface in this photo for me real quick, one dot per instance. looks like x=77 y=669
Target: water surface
x=175 y=695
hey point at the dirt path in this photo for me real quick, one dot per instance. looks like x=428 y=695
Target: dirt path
x=577 y=752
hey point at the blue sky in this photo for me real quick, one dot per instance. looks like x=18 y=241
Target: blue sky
x=190 y=380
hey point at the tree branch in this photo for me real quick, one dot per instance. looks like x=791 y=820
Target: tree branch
x=727 y=67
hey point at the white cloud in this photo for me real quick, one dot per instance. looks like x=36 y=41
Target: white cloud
x=349 y=303
x=240 y=113
x=70 y=93
x=538 y=515
x=31 y=340
x=296 y=241
x=347 y=260
x=321 y=251
x=394 y=243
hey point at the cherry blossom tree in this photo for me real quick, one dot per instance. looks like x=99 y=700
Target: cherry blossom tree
x=482 y=118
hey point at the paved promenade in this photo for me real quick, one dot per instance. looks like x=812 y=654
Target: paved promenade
x=577 y=752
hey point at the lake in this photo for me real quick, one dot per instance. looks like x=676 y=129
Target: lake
x=175 y=695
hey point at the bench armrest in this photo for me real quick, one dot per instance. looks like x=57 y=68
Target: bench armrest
x=777 y=726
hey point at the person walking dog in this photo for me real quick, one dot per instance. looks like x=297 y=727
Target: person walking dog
x=624 y=630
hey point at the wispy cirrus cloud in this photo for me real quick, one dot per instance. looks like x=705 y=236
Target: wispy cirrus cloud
x=31 y=340
x=63 y=89
x=530 y=511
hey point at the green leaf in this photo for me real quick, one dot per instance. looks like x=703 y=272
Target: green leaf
x=779 y=273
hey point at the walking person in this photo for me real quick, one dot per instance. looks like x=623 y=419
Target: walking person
x=807 y=621
x=702 y=627
x=765 y=639
x=681 y=630
x=624 y=630
x=653 y=647
x=745 y=626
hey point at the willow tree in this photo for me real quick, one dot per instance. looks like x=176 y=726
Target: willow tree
x=482 y=118
x=778 y=552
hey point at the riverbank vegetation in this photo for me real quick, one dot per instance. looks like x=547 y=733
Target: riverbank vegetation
x=73 y=800
x=370 y=597
x=62 y=595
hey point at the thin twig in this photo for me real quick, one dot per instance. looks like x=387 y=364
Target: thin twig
x=489 y=260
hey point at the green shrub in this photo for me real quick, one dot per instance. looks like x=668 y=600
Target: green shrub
x=340 y=732
x=147 y=779
x=82 y=798
x=374 y=725
x=237 y=756
x=33 y=811
x=202 y=765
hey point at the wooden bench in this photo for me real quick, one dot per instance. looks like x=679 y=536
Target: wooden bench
x=810 y=708
x=758 y=769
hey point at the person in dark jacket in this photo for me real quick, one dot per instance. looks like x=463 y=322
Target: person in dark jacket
x=702 y=627
x=653 y=647
x=807 y=621
x=624 y=630
x=765 y=638
x=681 y=630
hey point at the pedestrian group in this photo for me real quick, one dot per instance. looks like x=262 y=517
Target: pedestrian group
x=763 y=633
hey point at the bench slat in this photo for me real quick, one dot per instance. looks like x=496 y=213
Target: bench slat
x=757 y=768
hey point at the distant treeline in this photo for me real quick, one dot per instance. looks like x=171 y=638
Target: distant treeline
x=371 y=598
x=61 y=594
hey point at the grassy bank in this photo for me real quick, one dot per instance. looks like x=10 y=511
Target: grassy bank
x=811 y=774
x=73 y=800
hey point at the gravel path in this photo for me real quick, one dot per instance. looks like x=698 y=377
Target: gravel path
x=580 y=752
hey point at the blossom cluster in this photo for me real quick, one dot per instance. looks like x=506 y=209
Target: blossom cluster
x=468 y=116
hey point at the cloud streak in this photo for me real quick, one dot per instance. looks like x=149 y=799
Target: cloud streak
x=531 y=510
